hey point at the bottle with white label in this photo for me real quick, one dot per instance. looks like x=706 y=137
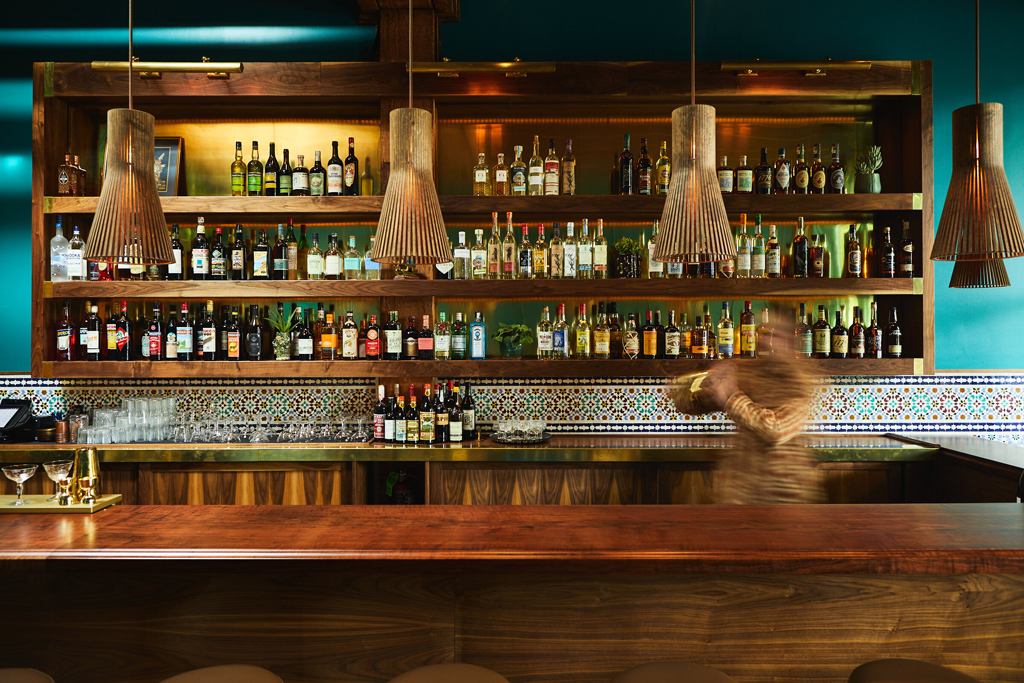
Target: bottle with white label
x=460 y=337
x=335 y=172
x=545 y=334
x=725 y=176
x=600 y=252
x=585 y=254
x=551 y=171
x=200 y=253
x=500 y=186
x=743 y=249
x=76 y=265
x=442 y=337
x=655 y=269
x=757 y=249
x=332 y=259
x=536 y=169
x=353 y=260
x=315 y=260
x=371 y=268
x=773 y=254
x=569 y=252
x=481 y=177
x=478 y=257
x=59 y=253
x=349 y=338
x=463 y=259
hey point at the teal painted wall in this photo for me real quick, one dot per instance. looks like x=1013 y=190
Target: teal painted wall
x=582 y=30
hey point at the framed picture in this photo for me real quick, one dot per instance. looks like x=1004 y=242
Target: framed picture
x=168 y=159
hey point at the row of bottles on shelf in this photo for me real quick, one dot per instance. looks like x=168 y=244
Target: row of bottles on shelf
x=601 y=335
x=444 y=413
x=273 y=179
x=784 y=176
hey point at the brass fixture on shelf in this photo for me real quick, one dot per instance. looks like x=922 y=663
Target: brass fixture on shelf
x=449 y=69
x=157 y=69
x=810 y=68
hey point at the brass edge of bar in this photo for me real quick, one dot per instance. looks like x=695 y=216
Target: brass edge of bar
x=48 y=290
x=919 y=366
x=918 y=285
x=918 y=202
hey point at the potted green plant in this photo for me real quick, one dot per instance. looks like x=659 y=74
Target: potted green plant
x=282 y=326
x=511 y=338
x=868 y=181
x=628 y=258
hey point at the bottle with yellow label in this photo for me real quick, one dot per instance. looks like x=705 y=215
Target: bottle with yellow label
x=748 y=332
x=582 y=334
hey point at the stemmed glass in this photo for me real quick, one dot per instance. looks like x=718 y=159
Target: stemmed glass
x=57 y=471
x=19 y=474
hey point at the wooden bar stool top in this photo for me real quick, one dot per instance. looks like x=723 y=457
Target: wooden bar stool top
x=907 y=671
x=228 y=673
x=672 y=672
x=450 y=673
x=23 y=676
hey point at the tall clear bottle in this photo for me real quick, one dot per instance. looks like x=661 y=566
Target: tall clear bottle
x=536 y=170
x=238 y=182
x=352 y=260
x=494 y=269
x=757 y=250
x=478 y=256
x=568 y=170
x=59 y=253
x=315 y=260
x=545 y=335
x=581 y=334
x=442 y=337
x=462 y=259
x=509 y=258
x=540 y=255
x=500 y=185
x=556 y=255
x=519 y=173
x=726 y=333
x=551 y=170
x=743 y=245
x=773 y=254
x=481 y=177
x=600 y=252
x=371 y=268
x=524 y=254
x=569 y=253
x=655 y=269
x=585 y=254
x=76 y=263
x=560 y=336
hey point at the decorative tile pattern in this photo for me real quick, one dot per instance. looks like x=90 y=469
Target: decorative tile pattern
x=988 y=405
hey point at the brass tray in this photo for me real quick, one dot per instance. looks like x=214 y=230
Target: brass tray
x=37 y=504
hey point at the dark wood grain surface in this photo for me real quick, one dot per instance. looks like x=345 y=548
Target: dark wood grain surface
x=752 y=539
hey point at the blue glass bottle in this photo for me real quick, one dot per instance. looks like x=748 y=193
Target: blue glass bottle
x=478 y=338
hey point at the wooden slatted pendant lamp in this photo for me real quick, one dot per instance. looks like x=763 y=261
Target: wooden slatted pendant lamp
x=411 y=227
x=694 y=223
x=977 y=274
x=129 y=225
x=979 y=219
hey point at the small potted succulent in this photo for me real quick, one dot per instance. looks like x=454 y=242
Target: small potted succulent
x=282 y=326
x=511 y=338
x=868 y=181
x=628 y=258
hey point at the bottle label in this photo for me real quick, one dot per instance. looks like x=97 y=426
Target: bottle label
x=209 y=340
x=281 y=265
x=74 y=262
x=748 y=339
x=350 y=175
x=857 y=344
x=518 y=181
x=425 y=343
x=427 y=426
x=545 y=341
x=332 y=265
x=840 y=343
x=400 y=431
x=773 y=261
x=478 y=262
x=334 y=174
x=643 y=181
x=537 y=179
x=493 y=259
x=818 y=180
x=292 y=256
x=63 y=340
x=480 y=176
x=540 y=262
x=478 y=342
x=378 y=425
x=500 y=176
x=300 y=182
x=585 y=258
x=652 y=265
x=316 y=184
x=237 y=184
x=468 y=420
x=569 y=178
x=804 y=342
x=889 y=264
x=726 y=341
x=409 y=343
x=370 y=264
x=895 y=350
x=443 y=268
x=764 y=181
x=782 y=176
x=459 y=345
x=650 y=343
x=461 y=253
x=329 y=341
x=412 y=430
x=455 y=431
x=601 y=258
x=184 y=339
x=201 y=261
x=389 y=428
x=372 y=342
x=664 y=178
x=557 y=261
x=392 y=341
x=583 y=344
x=525 y=261
x=218 y=266
x=255 y=183
x=684 y=340
x=111 y=337
x=853 y=262
x=155 y=345
x=801 y=179
x=838 y=179
x=270 y=180
x=284 y=184
x=818 y=263
x=743 y=258
x=349 y=343
x=352 y=263
x=631 y=344
x=92 y=341
x=171 y=346
x=558 y=341
x=235 y=345
x=441 y=418
x=569 y=261
x=175 y=267
x=725 y=180
x=442 y=343
x=237 y=261
x=508 y=259
x=314 y=264
x=822 y=341
x=906 y=260
x=757 y=261
x=745 y=181
x=672 y=343
x=123 y=339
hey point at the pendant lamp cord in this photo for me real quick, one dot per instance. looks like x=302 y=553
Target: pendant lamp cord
x=131 y=57
x=977 y=51
x=693 y=52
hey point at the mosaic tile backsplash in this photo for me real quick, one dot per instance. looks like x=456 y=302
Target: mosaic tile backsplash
x=985 y=405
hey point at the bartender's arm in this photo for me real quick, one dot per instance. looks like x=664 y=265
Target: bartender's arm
x=773 y=426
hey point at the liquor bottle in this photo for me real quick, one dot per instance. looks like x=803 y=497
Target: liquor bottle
x=744 y=177
x=819 y=174
x=235 y=258
x=765 y=342
x=822 y=343
x=748 y=333
x=353 y=260
x=278 y=256
x=90 y=333
x=873 y=336
x=218 y=257
x=291 y=253
x=854 y=258
x=351 y=178
x=757 y=250
x=455 y=415
x=300 y=178
x=304 y=340
x=66 y=178
x=412 y=418
x=905 y=253
x=67 y=335
x=684 y=338
x=208 y=333
x=255 y=347
x=570 y=263
x=743 y=244
x=426 y=417
x=380 y=409
x=460 y=337
x=156 y=335
x=600 y=250
x=560 y=336
x=602 y=334
x=184 y=336
x=726 y=333
x=800 y=250
x=627 y=171
x=524 y=256
x=655 y=269
x=782 y=173
x=254 y=172
x=481 y=177
x=442 y=338
x=649 y=338
x=585 y=254
x=315 y=260
x=551 y=180
x=660 y=330
x=494 y=250
x=59 y=253
x=238 y=185
x=261 y=258
x=293 y=334
x=556 y=255
x=893 y=337
x=366 y=182
x=462 y=260
x=817 y=256
x=663 y=169
x=78 y=179
x=109 y=337
x=519 y=173
x=673 y=338
x=332 y=259
x=699 y=340
x=836 y=174
x=478 y=338
x=644 y=169
x=441 y=422
x=857 y=336
x=425 y=340
x=349 y=349
x=581 y=334
x=391 y=333
x=630 y=339
x=270 y=174
x=500 y=184
x=329 y=349
x=801 y=172
x=234 y=335
x=284 y=176
x=887 y=256
x=763 y=175
x=773 y=254
x=726 y=180
x=840 y=338
x=317 y=177
x=567 y=170
x=478 y=257
x=536 y=170
x=123 y=334
x=803 y=338
x=373 y=341
x=75 y=259
x=540 y=255
x=200 y=253
x=401 y=432
x=410 y=343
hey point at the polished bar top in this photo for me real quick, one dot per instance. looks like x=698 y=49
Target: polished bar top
x=801 y=539
x=561 y=448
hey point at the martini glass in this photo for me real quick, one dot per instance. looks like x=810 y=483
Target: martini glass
x=19 y=474
x=56 y=471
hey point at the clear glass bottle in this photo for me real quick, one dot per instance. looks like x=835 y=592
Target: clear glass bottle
x=315 y=260
x=494 y=250
x=556 y=255
x=462 y=259
x=765 y=336
x=581 y=334
x=655 y=269
x=519 y=173
x=545 y=335
x=600 y=252
x=568 y=170
x=560 y=336
x=76 y=263
x=773 y=254
x=353 y=260
x=481 y=177
x=602 y=335
x=524 y=254
x=585 y=254
x=569 y=253
x=478 y=337
x=509 y=257
x=332 y=259
x=630 y=339
x=757 y=249
x=536 y=170
x=551 y=164
x=500 y=184
x=442 y=338
x=59 y=253
x=663 y=169
x=540 y=255
x=371 y=268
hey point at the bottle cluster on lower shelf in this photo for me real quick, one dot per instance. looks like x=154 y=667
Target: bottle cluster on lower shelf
x=441 y=414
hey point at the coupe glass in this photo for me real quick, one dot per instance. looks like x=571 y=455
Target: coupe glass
x=19 y=474
x=57 y=470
